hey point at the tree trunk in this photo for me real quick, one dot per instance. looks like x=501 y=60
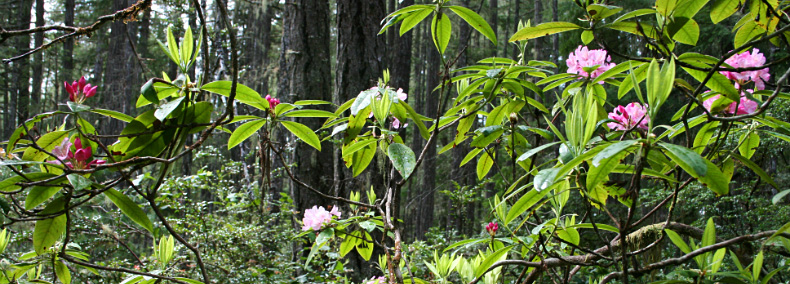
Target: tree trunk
x=22 y=66
x=38 y=62
x=516 y=19
x=493 y=17
x=429 y=163
x=68 y=47
x=555 y=38
x=360 y=56
x=305 y=74
x=118 y=77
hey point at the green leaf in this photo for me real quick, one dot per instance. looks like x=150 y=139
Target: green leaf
x=365 y=247
x=413 y=19
x=487 y=135
x=402 y=158
x=570 y=235
x=612 y=150
x=757 y=266
x=685 y=31
x=723 y=9
x=113 y=114
x=665 y=7
x=749 y=144
x=244 y=131
x=164 y=110
x=350 y=242
x=476 y=21
x=441 y=32
x=756 y=169
x=717 y=83
x=39 y=194
x=524 y=203
x=362 y=158
x=543 y=30
x=599 y=172
x=78 y=182
x=491 y=259
x=47 y=142
x=746 y=33
x=709 y=235
x=191 y=281
x=9 y=184
x=587 y=36
x=545 y=178
x=62 y=272
x=303 y=132
x=484 y=164
x=533 y=151
x=702 y=139
x=778 y=197
x=48 y=231
x=677 y=240
x=244 y=94
x=640 y=29
x=310 y=113
x=320 y=241
x=687 y=159
x=604 y=227
x=130 y=209
x=356 y=146
x=149 y=92
x=173 y=46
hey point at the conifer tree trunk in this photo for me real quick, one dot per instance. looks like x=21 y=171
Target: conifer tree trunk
x=38 y=62
x=305 y=74
x=22 y=66
x=68 y=47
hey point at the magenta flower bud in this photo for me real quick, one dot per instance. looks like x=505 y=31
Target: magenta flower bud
x=90 y=91
x=82 y=155
x=81 y=83
x=69 y=89
x=77 y=143
x=492 y=228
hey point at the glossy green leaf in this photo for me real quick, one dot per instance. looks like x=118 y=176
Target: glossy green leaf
x=365 y=247
x=709 y=235
x=244 y=131
x=413 y=19
x=749 y=144
x=756 y=169
x=47 y=142
x=545 y=178
x=543 y=30
x=48 y=231
x=677 y=240
x=113 y=114
x=402 y=158
x=244 y=94
x=534 y=151
x=723 y=9
x=612 y=150
x=441 y=29
x=130 y=209
x=78 y=182
x=39 y=194
x=309 y=113
x=484 y=164
x=62 y=272
x=491 y=259
x=303 y=132
x=476 y=21
x=9 y=184
x=687 y=159
x=570 y=235
x=747 y=33
x=361 y=159
x=599 y=172
x=165 y=109
x=524 y=203
x=149 y=92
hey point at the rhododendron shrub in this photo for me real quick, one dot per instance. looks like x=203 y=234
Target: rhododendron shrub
x=572 y=180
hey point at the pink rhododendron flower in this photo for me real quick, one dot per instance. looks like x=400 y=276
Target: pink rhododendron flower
x=80 y=158
x=745 y=106
x=745 y=60
x=401 y=97
x=317 y=217
x=584 y=57
x=376 y=280
x=492 y=228
x=627 y=117
x=272 y=102
x=79 y=91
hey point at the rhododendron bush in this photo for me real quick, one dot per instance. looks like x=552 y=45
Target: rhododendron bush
x=603 y=127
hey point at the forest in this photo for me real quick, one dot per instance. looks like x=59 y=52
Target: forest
x=394 y=141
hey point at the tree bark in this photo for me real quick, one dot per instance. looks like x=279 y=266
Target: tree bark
x=537 y=19
x=38 y=62
x=305 y=74
x=428 y=185
x=22 y=67
x=118 y=76
x=68 y=47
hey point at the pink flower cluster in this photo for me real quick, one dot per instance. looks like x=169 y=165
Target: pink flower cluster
x=492 y=228
x=317 y=217
x=745 y=106
x=272 y=101
x=584 y=57
x=80 y=158
x=401 y=96
x=79 y=91
x=746 y=60
x=630 y=116
x=376 y=280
